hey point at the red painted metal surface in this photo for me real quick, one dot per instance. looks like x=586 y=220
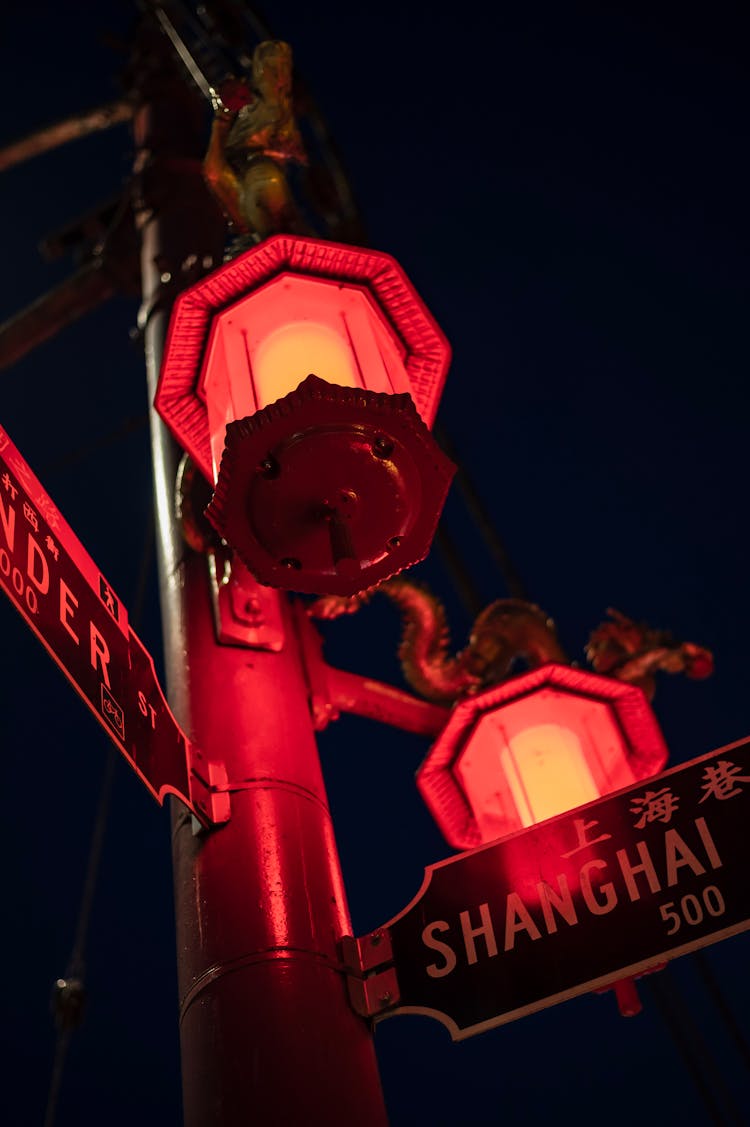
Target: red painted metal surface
x=333 y=691
x=331 y=489
x=261 y=907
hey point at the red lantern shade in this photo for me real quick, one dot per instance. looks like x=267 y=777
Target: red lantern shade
x=325 y=504
x=535 y=746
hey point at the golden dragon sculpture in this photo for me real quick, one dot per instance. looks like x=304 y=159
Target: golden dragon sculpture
x=509 y=633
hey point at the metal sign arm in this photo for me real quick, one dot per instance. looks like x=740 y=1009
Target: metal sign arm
x=333 y=691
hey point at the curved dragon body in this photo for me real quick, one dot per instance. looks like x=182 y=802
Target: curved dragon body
x=510 y=631
x=507 y=631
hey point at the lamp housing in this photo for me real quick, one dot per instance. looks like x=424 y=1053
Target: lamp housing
x=302 y=378
x=538 y=744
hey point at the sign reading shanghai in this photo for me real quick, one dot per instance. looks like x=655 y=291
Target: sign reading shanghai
x=604 y=892
x=83 y=625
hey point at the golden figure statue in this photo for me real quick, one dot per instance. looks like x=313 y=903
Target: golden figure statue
x=251 y=147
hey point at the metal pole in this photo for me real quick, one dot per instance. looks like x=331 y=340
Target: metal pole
x=267 y=1032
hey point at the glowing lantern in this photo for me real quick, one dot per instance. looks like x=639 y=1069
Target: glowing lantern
x=302 y=378
x=535 y=746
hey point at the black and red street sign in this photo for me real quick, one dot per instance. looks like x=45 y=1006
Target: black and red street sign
x=83 y=625
x=604 y=892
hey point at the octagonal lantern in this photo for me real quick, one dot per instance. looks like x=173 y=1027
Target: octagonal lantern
x=537 y=745
x=302 y=378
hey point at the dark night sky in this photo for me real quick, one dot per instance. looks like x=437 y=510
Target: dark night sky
x=567 y=189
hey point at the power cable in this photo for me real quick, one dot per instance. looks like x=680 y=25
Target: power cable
x=687 y=1036
x=69 y=994
x=466 y=588
x=479 y=513
x=704 y=970
x=468 y=592
x=694 y=1050
x=124 y=429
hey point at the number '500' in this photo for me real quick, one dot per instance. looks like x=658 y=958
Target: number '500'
x=691 y=910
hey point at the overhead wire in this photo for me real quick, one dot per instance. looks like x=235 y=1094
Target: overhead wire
x=462 y=579
x=130 y=425
x=695 y=1052
x=719 y=999
x=693 y=1048
x=479 y=514
x=686 y=1035
x=69 y=992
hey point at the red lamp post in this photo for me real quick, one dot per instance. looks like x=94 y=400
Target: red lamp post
x=266 y=1028
x=534 y=746
x=302 y=377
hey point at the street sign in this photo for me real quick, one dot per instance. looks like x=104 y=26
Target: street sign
x=74 y=612
x=603 y=892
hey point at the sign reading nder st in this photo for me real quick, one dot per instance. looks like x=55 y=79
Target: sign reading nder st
x=604 y=892
x=74 y=612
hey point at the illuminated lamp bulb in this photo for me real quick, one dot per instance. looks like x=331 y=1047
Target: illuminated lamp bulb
x=547 y=772
x=290 y=353
x=535 y=746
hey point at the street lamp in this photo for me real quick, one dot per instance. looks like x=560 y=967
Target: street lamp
x=537 y=745
x=302 y=377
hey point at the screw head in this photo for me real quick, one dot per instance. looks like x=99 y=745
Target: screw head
x=269 y=468
x=382 y=447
